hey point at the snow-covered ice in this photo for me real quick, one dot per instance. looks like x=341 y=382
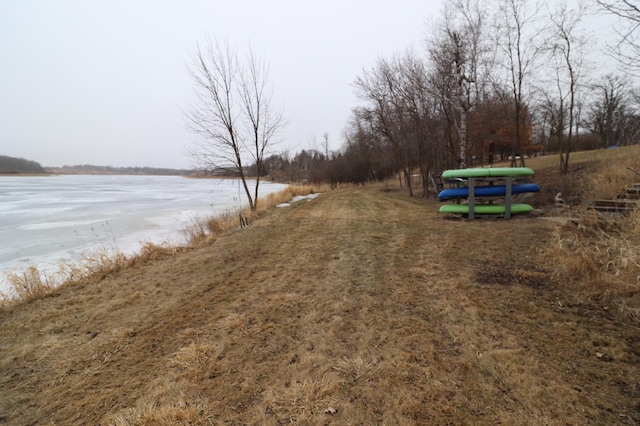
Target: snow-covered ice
x=299 y=198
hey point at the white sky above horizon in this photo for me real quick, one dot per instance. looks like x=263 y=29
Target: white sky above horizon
x=104 y=83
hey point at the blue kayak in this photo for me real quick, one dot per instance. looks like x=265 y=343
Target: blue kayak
x=487 y=191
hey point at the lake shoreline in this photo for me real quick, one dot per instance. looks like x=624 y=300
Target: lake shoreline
x=47 y=221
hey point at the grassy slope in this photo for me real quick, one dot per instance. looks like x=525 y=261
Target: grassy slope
x=358 y=307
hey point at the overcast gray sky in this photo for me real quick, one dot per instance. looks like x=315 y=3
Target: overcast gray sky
x=104 y=82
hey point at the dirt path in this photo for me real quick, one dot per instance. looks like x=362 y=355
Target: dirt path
x=358 y=307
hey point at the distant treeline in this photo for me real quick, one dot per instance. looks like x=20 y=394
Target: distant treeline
x=87 y=169
x=12 y=165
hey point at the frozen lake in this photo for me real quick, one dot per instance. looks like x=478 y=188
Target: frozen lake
x=48 y=220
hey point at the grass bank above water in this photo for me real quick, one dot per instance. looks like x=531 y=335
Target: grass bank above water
x=361 y=307
x=31 y=283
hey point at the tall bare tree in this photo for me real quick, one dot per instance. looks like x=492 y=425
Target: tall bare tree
x=382 y=88
x=567 y=54
x=462 y=59
x=519 y=36
x=419 y=115
x=443 y=91
x=233 y=113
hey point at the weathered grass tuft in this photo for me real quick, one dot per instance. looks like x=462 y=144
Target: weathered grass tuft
x=180 y=411
x=356 y=369
x=152 y=251
x=222 y=223
x=303 y=401
x=30 y=284
x=196 y=361
x=99 y=265
x=196 y=232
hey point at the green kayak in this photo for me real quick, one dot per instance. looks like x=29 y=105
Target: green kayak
x=488 y=172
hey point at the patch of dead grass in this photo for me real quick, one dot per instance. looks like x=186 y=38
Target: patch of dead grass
x=602 y=257
x=355 y=369
x=175 y=411
x=303 y=401
x=593 y=175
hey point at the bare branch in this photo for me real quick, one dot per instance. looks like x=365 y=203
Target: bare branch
x=627 y=49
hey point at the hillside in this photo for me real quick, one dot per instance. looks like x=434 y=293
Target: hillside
x=359 y=307
x=12 y=165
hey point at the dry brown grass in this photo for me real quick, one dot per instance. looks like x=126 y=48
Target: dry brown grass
x=613 y=177
x=602 y=256
x=30 y=284
x=207 y=230
x=360 y=307
x=593 y=174
x=287 y=194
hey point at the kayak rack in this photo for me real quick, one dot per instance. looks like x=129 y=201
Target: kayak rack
x=484 y=179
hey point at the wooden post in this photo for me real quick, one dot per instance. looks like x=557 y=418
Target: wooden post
x=507 y=198
x=472 y=198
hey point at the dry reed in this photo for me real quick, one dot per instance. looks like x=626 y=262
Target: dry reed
x=29 y=285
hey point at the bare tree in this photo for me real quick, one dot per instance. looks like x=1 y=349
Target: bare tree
x=462 y=59
x=233 y=113
x=443 y=90
x=419 y=115
x=627 y=49
x=519 y=38
x=567 y=53
x=325 y=144
x=382 y=88
x=612 y=114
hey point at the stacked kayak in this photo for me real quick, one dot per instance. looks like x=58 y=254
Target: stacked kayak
x=487 y=191
x=479 y=190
